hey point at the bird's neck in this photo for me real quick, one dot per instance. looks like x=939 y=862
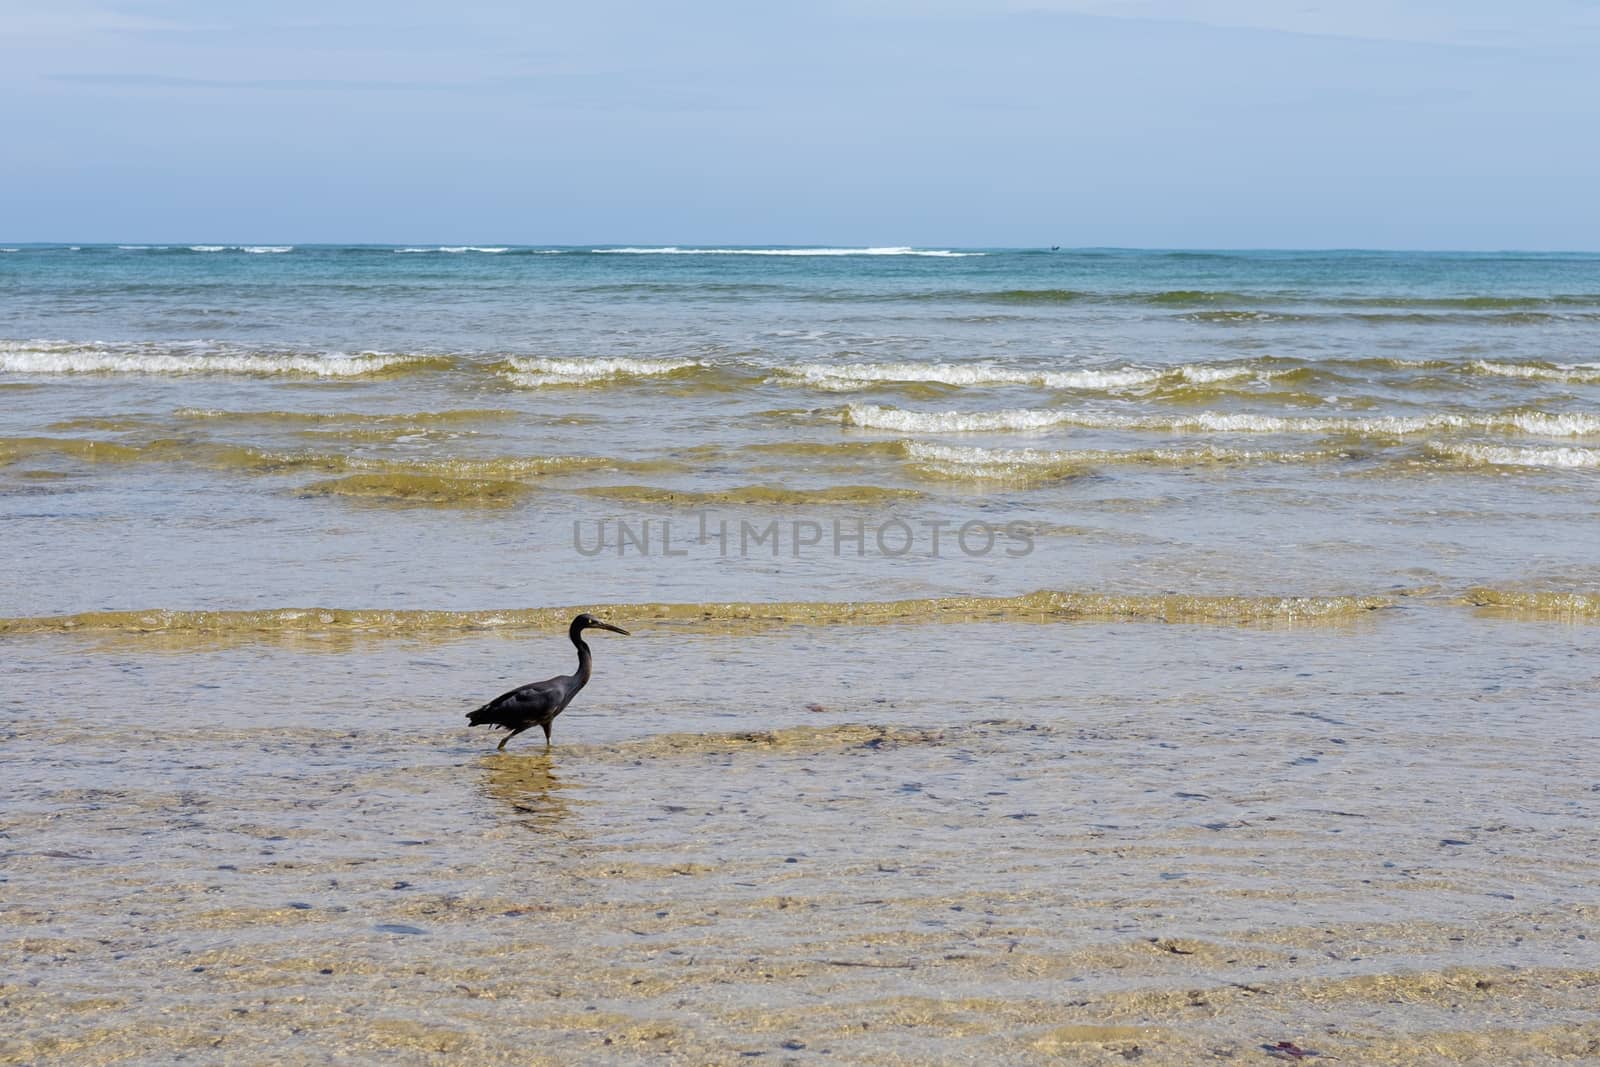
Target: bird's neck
x=585 y=659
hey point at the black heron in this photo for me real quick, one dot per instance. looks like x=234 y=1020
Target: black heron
x=539 y=703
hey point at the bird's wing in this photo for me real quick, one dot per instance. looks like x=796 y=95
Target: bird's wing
x=534 y=699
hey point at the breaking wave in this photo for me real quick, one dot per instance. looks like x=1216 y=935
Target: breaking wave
x=1030 y=465
x=1539 y=423
x=538 y=372
x=847 y=377
x=457 y=249
x=1575 y=373
x=1476 y=455
x=60 y=357
x=873 y=417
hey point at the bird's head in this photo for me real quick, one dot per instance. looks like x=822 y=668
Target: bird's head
x=589 y=622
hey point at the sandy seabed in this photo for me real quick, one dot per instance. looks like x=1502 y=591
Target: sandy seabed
x=1163 y=844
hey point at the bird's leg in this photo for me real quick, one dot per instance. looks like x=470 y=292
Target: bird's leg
x=501 y=747
x=546 y=735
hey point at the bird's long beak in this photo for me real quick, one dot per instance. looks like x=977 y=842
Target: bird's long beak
x=613 y=629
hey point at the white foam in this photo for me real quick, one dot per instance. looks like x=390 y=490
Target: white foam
x=1205 y=374
x=1529 y=422
x=457 y=249
x=853 y=376
x=266 y=249
x=987 y=457
x=873 y=417
x=1010 y=463
x=672 y=250
x=535 y=372
x=1537 y=423
x=57 y=358
x=1543 y=424
x=1509 y=456
x=208 y=248
x=848 y=377
x=994 y=464
x=10 y=249
x=1101 y=379
x=1577 y=373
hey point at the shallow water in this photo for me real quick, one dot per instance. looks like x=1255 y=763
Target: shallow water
x=1265 y=717
x=810 y=835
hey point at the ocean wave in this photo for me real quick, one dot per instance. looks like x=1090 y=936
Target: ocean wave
x=849 y=377
x=490 y=468
x=672 y=250
x=1537 y=602
x=1535 y=423
x=1574 y=373
x=1245 y=317
x=62 y=358
x=457 y=249
x=873 y=417
x=205 y=248
x=1168 y=298
x=254 y=249
x=423 y=488
x=536 y=372
x=402 y=474
x=1228 y=305
x=1043 y=605
x=1475 y=303
x=350 y=418
x=1475 y=455
x=13 y=449
x=1024 y=465
x=1034 y=465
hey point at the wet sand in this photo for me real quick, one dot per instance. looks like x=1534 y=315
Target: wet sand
x=1105 y=841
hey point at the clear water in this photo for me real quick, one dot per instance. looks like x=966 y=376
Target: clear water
x=1263 y=716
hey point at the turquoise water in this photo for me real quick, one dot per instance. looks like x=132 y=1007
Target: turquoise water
x=517 y=299
x=1196 y=422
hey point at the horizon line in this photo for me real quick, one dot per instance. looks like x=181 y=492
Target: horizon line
x=712 y=246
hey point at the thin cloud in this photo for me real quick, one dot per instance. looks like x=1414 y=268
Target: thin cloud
x=168 y=81
x=1448 y=23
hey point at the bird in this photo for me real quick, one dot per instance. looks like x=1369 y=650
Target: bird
x=538 y=703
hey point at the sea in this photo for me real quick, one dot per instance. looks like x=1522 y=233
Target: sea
x=1036 y=656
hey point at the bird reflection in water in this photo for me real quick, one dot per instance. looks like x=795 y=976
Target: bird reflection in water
x=530 y=788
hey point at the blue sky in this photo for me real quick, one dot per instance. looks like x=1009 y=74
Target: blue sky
x=1234 y=123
